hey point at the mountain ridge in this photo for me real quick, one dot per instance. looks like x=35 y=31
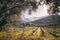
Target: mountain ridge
x=46 y=21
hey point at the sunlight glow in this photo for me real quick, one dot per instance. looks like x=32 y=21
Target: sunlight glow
x=41 y=12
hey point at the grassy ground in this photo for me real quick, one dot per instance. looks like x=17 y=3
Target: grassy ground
x=30 y=33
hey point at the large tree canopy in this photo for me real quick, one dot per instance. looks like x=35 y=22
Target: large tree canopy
x=13 y=7
x=56 y=5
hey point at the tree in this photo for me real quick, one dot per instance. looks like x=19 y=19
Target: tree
x=54 y=10
x=10 y=8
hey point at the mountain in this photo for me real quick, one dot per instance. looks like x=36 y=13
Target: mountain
x=46 y=21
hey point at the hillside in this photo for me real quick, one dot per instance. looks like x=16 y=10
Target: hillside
x=47 y=21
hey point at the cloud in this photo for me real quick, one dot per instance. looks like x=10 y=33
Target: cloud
x=41 y=12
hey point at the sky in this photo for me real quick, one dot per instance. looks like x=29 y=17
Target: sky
x=41 y=12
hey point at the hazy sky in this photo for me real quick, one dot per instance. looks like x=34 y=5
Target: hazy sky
x=41 y=12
